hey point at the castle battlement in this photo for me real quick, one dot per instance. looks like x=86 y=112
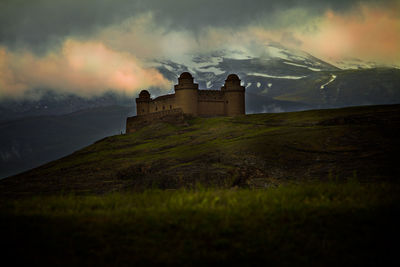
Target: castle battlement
x=188 y=99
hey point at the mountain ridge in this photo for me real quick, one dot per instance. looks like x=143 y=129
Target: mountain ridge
x=30 y=141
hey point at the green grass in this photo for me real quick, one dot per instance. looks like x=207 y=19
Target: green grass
x=312 y=224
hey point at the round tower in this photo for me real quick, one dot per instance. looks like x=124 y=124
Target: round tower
x=143 y=103
x=234 y=96
x=186 y=94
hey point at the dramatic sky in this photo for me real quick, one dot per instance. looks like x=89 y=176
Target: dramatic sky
x=87 y=46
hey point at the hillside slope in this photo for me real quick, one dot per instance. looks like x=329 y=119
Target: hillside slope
x=256 y=150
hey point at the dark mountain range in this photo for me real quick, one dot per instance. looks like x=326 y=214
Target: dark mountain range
x=47 y=102
x=31 y=141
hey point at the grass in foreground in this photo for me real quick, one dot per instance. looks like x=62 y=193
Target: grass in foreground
x=311 y=224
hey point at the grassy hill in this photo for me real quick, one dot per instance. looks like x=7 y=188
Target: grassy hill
x=312 y=188
x=256 y=151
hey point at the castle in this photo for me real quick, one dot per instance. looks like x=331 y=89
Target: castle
x=188 y=99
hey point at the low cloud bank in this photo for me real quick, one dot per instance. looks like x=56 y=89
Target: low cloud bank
x=83 y=68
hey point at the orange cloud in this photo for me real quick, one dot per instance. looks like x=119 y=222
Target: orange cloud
x=84 y=68
x=116 y=60
x=368 y=33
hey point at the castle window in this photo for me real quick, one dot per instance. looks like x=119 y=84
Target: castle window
x=227 y=101
x=156 y=108
x=170 y=106
x=163 y=107
x=142 y=110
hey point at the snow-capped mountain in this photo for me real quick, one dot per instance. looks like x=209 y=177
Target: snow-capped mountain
x=274 y=63
x=281 y=79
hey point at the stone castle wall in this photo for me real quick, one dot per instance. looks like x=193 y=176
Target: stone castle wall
x=211 y=103
x=188 y=99
x=166 y=102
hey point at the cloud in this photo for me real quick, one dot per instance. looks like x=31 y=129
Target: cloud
x=289 y=38
x=83 y=68
x=41 y=24
x=368 y=33
x=89 y=47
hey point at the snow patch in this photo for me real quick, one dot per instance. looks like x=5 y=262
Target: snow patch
x=258 y=85
x=248 y=84
x=333 y=77
x=168 y=67
x=214 y=70
x=276 y=77
x=236 y=54
x=205 y=65
x=313 y=69
x=299 y=65
x=269 y=85
x=208 y=84
x=276 y=52
x=294 y=64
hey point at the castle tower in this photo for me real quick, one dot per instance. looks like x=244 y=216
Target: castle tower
x=186 y=94
x=234 y=96
x=143 y=103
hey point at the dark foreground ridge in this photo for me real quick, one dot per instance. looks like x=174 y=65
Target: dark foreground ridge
x=258 y=150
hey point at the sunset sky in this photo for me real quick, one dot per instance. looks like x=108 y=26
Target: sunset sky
x=88 y=47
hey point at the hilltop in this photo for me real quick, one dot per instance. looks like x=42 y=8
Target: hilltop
x=258 y=150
